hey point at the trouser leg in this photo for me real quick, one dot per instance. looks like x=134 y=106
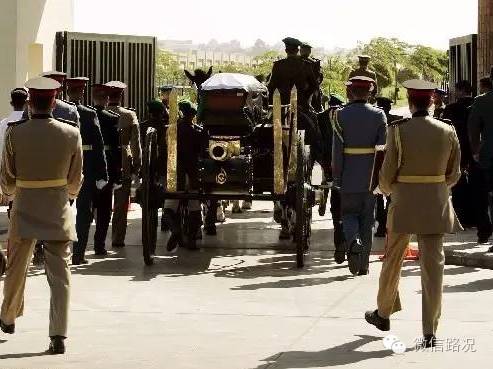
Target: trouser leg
x=432 y=260
x=367 y=220
x=58 y=276
x=20 y=254
x=103 y=216
x=388 y=292
x=336 y=211
x=83 y=219
x=480 y=183
x=121 y=204
x=351 y=208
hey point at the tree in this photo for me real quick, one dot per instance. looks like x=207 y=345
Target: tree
x=167 y=68
x=429 y=63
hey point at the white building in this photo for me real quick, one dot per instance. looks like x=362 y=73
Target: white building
x=27 y=40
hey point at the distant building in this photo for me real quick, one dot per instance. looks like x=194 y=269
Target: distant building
x=192 y=56
x=27 y=40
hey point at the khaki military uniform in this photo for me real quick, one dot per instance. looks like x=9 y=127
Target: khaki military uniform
x=131 y=162
x=41 y=170
x=422 y=163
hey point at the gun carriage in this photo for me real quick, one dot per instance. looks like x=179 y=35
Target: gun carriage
x=247 y=153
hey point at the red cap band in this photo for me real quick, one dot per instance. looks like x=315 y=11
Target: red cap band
x=420 y=93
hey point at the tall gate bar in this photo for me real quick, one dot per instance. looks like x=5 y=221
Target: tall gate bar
x=103 y=58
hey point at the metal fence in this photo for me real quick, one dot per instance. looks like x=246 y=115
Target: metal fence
x=102 y=58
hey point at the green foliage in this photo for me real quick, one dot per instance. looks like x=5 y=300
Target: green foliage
x=167 y=68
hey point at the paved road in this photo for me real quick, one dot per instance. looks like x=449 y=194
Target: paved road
x=240 y=303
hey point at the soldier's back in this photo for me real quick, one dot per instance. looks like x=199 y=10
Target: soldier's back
x=287 y=73
x=66 y=110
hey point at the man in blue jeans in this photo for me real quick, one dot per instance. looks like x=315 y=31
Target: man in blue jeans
x=359 y=130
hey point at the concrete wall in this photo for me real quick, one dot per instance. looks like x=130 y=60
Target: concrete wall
x=485 y=38
x=29 y=40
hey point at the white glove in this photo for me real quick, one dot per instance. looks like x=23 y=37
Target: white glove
x=101 y=183
x=117 y=186
x=377 y=191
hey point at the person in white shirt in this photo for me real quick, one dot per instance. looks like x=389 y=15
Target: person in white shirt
x=18 y=98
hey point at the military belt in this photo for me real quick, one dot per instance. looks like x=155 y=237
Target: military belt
x=421 y=179
x=86 y=147
x=108 y=147
x=359 y=150
x=41 y=184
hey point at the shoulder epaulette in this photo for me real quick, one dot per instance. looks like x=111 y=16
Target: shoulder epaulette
x=17 y=122
x=68 y=102
x=112 y=113
x=131 y=109
x=399 y=121
x=446 y=121
x=90 y=107
x=73 y=124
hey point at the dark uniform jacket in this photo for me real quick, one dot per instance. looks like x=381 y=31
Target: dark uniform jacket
x=92 y=145
x=480 y=123
x=289 y=72
x=458 y=113
x=160 y=127
x=188 y=152
x=357 y=126
x=111 y=139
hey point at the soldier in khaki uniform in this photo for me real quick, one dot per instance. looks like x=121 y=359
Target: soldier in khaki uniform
x=41 y=170
x=421 y=164
x=131 y=160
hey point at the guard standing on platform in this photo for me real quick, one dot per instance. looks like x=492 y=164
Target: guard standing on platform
x=109 y=124
x=292 y=71
x=94 y=169
x=382 y=204
x=422 y=162
x=364 y=70
x=315 y=64
x=359 y=131
x=131 y=160
x=41 y=182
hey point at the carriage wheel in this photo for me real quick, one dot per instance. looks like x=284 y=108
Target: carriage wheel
x=302 y=207
x=149 y=191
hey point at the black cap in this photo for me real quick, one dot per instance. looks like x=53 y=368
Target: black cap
x=291 y=42
x=155 y=106
x=306 y=45
x=384 y=102
x=335 y=99
x=165 y=88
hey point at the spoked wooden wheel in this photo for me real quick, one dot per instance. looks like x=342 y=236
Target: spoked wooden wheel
x=302 y=207
x=150 y=203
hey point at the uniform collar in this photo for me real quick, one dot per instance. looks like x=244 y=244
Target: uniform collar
x=422 y=113
x=41 y=116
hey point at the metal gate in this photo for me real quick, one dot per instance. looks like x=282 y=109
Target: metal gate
x=463 y=62
x=103 y=58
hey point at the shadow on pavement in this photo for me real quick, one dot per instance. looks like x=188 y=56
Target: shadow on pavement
x=473 y=286
x=345 y=354
x=24 y=355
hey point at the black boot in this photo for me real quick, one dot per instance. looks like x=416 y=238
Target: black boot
x=7 y=328
x=373 y=318
x=57 y=345
x=355 y=257
x=194 y=224
x=429 y=340
x=340 y=253
x=173 y=223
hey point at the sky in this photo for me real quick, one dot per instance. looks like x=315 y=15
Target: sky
x=324 y=23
